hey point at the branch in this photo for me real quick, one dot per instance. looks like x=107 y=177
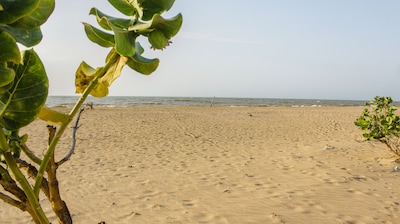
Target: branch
x=58 y=205
x=392 y=141
x=74 y=129
x=32 y=173
x=10 y=185
x=30 y=154
x=9 y=200
x=21 y=205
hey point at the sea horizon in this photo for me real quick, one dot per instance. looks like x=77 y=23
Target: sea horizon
x=132 y=101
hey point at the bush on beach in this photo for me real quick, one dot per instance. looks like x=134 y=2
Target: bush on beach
x=379 y=121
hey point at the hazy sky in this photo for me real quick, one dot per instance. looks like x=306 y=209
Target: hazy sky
x=319 y=49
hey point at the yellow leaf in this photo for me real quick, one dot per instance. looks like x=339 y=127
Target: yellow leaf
x=52 y=116
x=114 y=71
x=84 y=74
x=99 y=90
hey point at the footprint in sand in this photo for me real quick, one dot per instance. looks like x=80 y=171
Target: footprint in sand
x=188 y=203
x=276 y=219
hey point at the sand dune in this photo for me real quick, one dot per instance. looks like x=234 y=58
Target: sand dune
x=223 y=165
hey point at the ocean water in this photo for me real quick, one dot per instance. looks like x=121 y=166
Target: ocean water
x=131 y=101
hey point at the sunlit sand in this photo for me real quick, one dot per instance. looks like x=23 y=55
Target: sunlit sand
x=223 y=165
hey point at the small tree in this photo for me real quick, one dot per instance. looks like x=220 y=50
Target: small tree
x=380 y=122
x=24 y=88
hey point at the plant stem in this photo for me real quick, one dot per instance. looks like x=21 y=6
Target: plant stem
x=74 y=111
x=32 y=198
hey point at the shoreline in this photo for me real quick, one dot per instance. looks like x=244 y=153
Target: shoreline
x=199 y=101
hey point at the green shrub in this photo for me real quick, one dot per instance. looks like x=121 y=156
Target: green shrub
x=379 y=121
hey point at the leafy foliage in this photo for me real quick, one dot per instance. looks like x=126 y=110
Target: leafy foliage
x=23 y=80
x=120 y=34
x=24 y=87
x=21 y=104
x=22 y=19
x=379 y=121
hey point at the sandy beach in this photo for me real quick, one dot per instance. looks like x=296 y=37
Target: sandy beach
x=222 y=165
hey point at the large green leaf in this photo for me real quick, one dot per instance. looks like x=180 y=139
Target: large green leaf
x=104 y=20
x=140 y=64
x=143 y=65
x=169 y=27
x=124 y=41
x=23 y=102
x=7 y=76
x=28 y=38
x=138 y=48
x=37 y=17
x=99 y=37
x=152 y=7
x=123 y=6
x=159 y=31
x=15 y=9
x=9 y=49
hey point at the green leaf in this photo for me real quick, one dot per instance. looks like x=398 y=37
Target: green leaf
x=28 y=38
x=9 y=49
x=143 y=65
x=37 y=17
x=152 y=7
x=139 y=49
x=145 y=9
x=5 y=88
x=7 y=75
x=123 y=6
x=104 y=20
x=23 y=102
x=169 y=27
x=124 y=41
x=99 y=37
x=163 y=30
x=138 y=8
x=140 y=64
x=15 y=9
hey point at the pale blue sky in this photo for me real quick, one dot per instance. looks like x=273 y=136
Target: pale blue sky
x=319 y=49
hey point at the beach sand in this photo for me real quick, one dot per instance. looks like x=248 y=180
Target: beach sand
x=222 y=165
